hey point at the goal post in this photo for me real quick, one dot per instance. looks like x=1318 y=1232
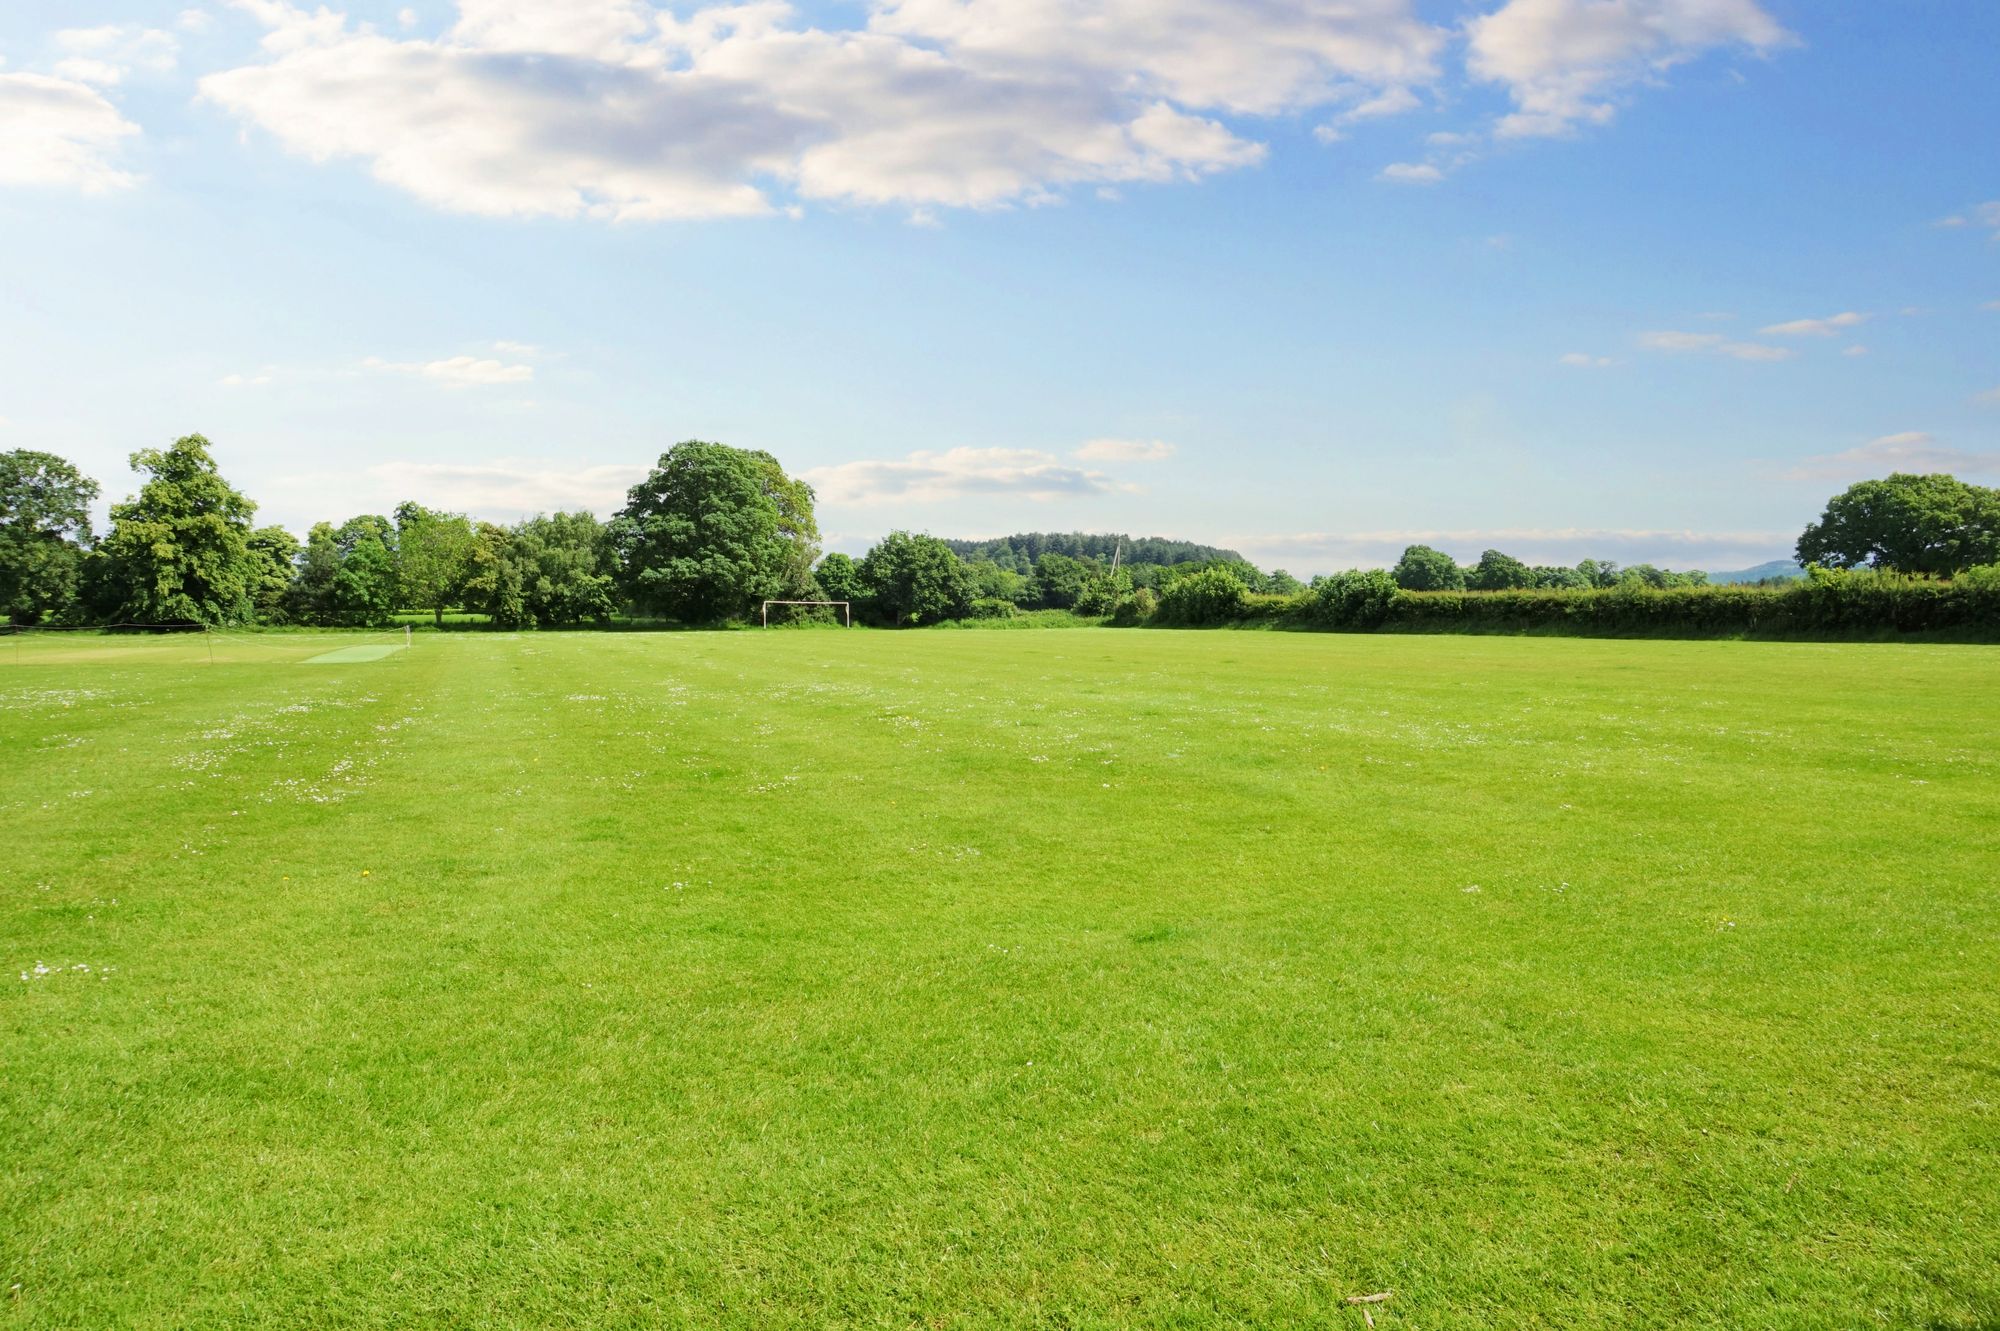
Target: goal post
x=846 y=611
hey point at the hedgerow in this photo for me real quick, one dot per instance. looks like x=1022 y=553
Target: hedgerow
x=1832 y=603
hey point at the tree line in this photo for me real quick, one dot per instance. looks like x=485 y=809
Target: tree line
x=714 y=530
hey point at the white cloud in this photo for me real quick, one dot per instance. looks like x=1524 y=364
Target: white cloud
x=1855 y=351
x=1125 y=450
x=1991 y=395
x=506 y=488
x=616 y=109
x=1582 y=361
x=1411 y=173
x=1991 y=306
x=1912 y=450
x=1255 y=57
x=1391 y=102
x=1566 y=63
x=194 y=20
x=1716 y=344
x=1326 y=551
x=1831 y=326
x=60 y=132
x=105 y=54
x=101 y=73
x=958 y=473
x=457 y=371
x=246 y=380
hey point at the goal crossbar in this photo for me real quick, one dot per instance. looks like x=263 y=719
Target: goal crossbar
x=846 y=612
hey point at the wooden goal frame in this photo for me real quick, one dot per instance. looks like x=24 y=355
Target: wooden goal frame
x=846 y=611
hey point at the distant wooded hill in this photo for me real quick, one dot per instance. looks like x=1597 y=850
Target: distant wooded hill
x=1777 y=568
x=1022 y=550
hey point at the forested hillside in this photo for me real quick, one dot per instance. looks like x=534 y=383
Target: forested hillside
x=1019 y=553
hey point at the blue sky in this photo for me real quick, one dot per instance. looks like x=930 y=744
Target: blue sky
x=1641 y=279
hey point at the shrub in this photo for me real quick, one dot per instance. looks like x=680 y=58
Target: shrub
x=991 y=607
x=1212 y=596
x=1135 y=608
x=1357 y=600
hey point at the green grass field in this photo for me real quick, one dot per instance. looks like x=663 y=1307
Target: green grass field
x=967 y=979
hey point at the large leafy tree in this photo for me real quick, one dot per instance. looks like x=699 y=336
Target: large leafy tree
x=1423 y=569
x=179 y=550
x=310 y=597
x=566 y=568
x=276 y=552
x=1497 y=572
x=714 y=529
x=1063 y=580
x=1934 y=524
x=495 y=582
x=838 y=578
x=433 y=557
x=366 y=588
x=44 y=530
x=916 y=579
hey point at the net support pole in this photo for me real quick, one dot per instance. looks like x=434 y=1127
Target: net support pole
x=407 y=639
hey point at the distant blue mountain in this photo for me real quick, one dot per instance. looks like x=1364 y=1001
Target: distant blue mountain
x=1777 y=568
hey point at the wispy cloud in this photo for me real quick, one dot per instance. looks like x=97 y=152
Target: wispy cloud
x=1584 y=361
x=1831 y=326
x=1983 y=214
x=105 y=54
x=957 y=473
x=1912 y=450
x=1125 y=450
x=1326 y=551
x=457 y=371
x=1715 y=344
x=1411 y=173
x=504 y=490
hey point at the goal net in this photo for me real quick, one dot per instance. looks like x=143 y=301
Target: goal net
x=846 y=611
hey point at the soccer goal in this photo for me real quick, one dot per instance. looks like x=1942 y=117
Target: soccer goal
x=846 y=613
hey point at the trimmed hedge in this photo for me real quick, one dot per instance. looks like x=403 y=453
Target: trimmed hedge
x=1831 y=604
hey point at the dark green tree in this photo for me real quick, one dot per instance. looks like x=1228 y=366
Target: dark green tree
x=916 y=580
x=1422 y=569
x=495 y=583
x=277 y=554
x=1598 y=572
x=1063 y=580
x=838 y=578
x=365 y=589
x=997 y=583
x=1559 y=579
x=712 y=531
x=1934 y=524
x=1497 y=572
x=44 y=531
x=179 y=550
x=309 y=600
x=565 y=562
